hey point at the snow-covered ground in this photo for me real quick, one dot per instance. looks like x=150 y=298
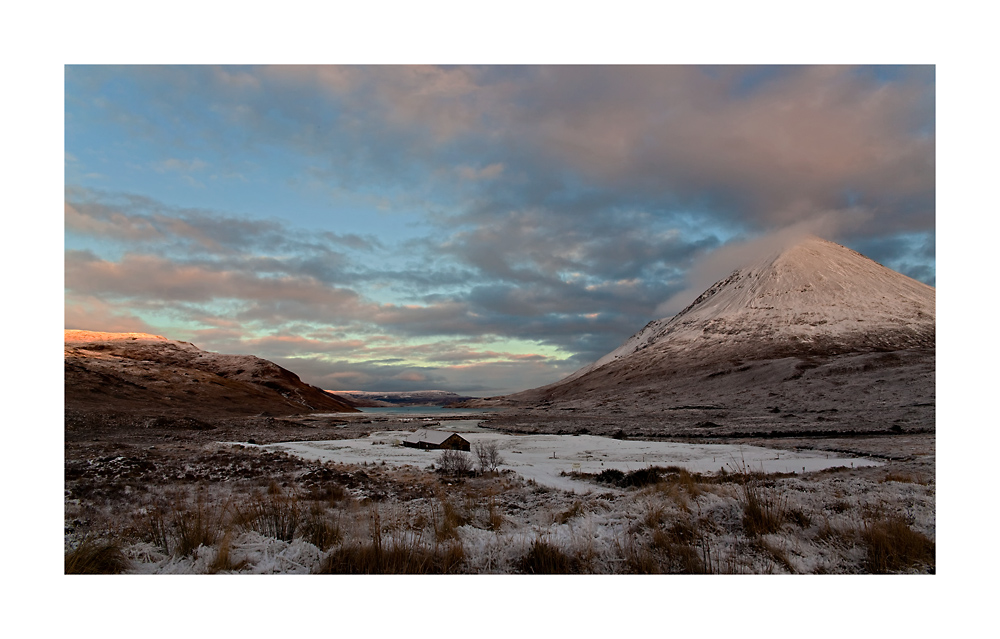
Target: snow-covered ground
x=545 y=458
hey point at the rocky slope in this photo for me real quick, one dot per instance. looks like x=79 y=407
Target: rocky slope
x=813 y=312
x=150 y=374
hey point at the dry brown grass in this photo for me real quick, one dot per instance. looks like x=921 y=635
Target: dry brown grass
x=396 y=557
x=544 y=558
x=495 y=518
x=451 y=519
x=654 y=516
x=320 y=528
x=574 y=510
x=678 y=548
x=151 y=527
x=635 y=556
x=96 y=557
x=840 y=506
x=836 y=535
x=764 y=508
x=892 y=546
x=903 y=478
x=683 y=546
x=405 y=553
x=274 y=514
x=689 y=482
x=775 y=553
x=202 y=526
x=223 y=560
x=798 y=517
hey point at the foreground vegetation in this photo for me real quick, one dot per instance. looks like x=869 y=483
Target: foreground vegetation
x=241 y=510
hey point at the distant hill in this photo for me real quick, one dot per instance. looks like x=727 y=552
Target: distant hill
x=400 y=398
x=143 y=373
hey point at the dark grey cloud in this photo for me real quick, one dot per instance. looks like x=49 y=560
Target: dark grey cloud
x=912 y=254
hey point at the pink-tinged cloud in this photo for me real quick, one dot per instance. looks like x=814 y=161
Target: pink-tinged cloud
x=156 y=278
x=784 y=149
x=85 y=312
x=411 y=377
x=112 y=225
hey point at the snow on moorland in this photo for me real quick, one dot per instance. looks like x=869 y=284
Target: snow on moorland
x=549 y=459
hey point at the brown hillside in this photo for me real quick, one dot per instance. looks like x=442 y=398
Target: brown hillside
x=150 y=374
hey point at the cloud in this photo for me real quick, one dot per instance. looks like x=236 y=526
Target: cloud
x=182 y=166
x=559 y=206
x=759 y=146
x=86 y=312
x=150 y=277
x=485 y=173
x=139 y=222
x=109 y=224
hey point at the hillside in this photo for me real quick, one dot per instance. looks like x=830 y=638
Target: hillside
x=150 y=374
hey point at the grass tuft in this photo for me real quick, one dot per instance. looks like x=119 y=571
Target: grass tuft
x=446 y=528
x=891 y=545
x=96 y=557
x=395 y=558
x=764 y=508
x=274 y=514
x=198 y=527
x=319 y=529
x=573 y=511
x=223 y=561
x=544 y=558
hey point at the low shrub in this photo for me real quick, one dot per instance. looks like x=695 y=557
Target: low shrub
x=610 y=476
x=641 y=477
x=454 y=462
x=488 y=454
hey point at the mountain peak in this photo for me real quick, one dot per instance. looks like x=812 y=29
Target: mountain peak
x=810 y=296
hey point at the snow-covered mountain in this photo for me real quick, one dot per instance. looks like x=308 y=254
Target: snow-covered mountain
x=811 y=299
x=814 y=296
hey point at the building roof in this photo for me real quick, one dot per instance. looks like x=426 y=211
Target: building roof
x=436 y=437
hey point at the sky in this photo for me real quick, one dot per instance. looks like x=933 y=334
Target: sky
x=478 y=229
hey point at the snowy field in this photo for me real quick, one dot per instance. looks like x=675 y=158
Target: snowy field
x=543 y=458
